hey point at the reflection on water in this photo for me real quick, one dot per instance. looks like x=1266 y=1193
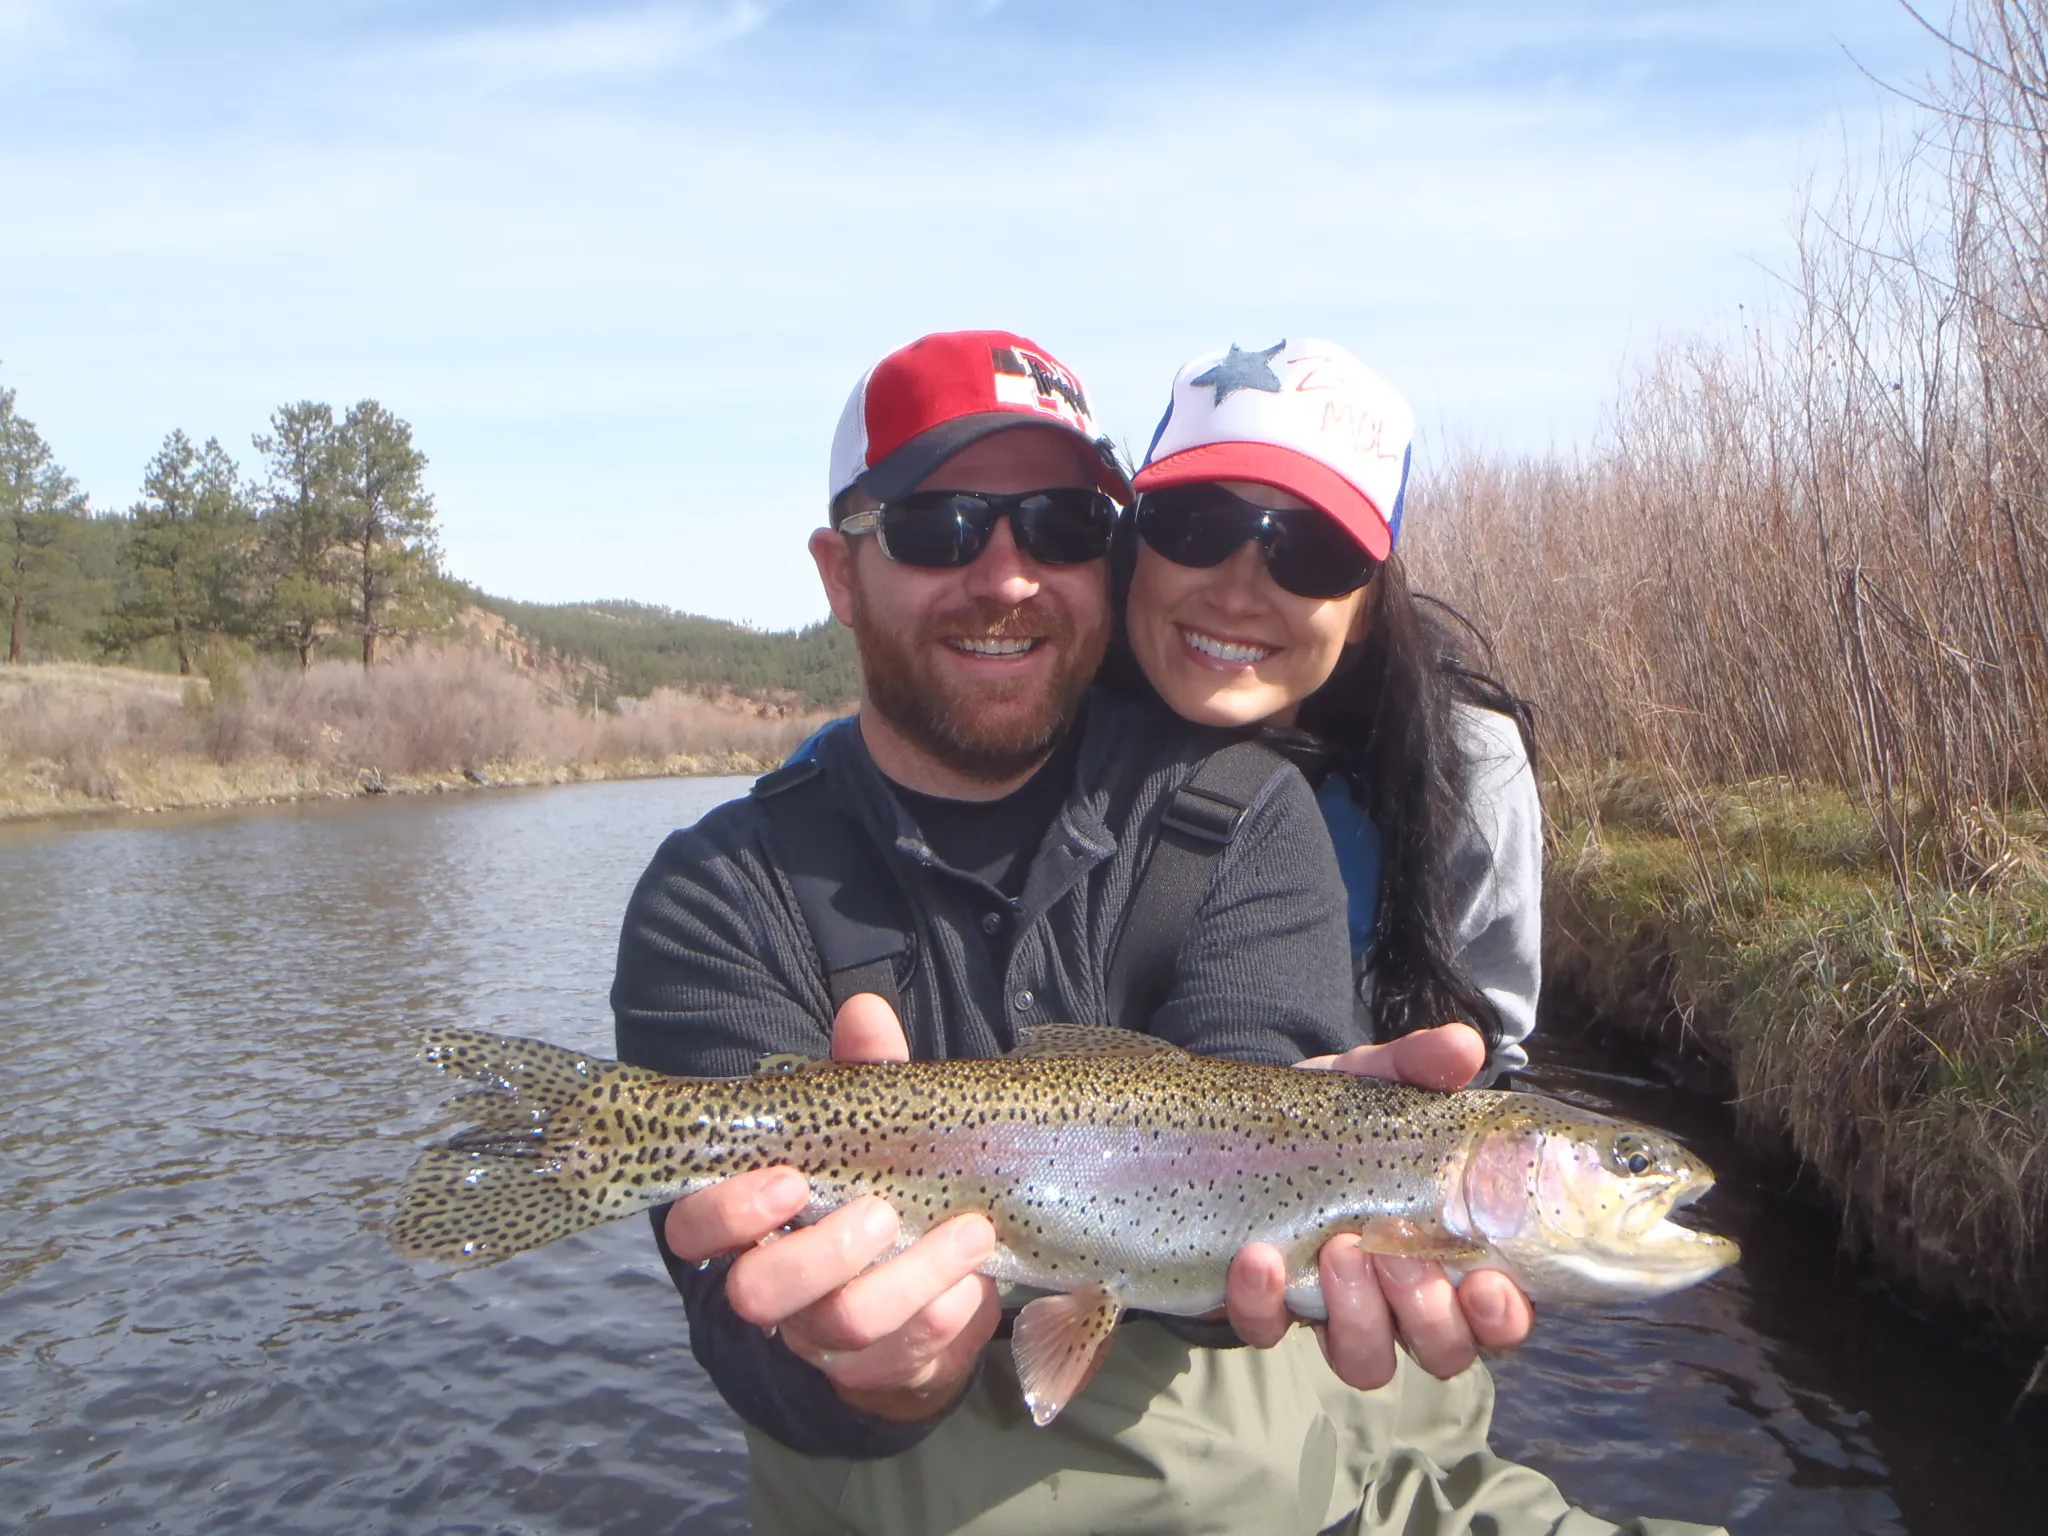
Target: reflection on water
x=1792 y=1394
x=210 y=1094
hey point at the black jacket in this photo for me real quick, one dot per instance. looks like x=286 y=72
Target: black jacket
x=716 y=969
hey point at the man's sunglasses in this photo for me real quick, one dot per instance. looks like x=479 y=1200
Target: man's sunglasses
x=1066 y=525
x=1307 y=552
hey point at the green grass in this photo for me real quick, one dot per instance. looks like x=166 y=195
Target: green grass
x=1889 y=1030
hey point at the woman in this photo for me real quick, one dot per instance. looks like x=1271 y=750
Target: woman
x=1263 y=589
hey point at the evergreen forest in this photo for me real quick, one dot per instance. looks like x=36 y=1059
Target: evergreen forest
x=324 y=546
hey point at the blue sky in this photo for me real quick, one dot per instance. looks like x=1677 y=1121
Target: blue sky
x=620 y=263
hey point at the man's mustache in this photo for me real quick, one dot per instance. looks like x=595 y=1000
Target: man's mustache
x=1030 y=620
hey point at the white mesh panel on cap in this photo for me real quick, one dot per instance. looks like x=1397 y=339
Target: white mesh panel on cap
x=850 y=441
x=1308 y=395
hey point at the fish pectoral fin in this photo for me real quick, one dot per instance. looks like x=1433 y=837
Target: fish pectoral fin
x=1398 y=1236
x=1059 y=1342
x=1088 y=1040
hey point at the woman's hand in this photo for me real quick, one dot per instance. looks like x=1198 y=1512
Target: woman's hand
x=1373 y=1299
x=1446 y=1057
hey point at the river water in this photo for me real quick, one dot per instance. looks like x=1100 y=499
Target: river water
x=210 y=1094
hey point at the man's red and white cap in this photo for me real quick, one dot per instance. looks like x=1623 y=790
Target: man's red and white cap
x=923 y=403
x=1305 y=416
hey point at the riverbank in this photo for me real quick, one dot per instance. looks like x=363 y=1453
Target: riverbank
x=1897 y=1049
x=79 y=740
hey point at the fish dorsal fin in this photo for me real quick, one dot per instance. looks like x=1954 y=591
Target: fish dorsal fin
x=782 y=1063
x=1058 y=1343
x=1088 y=1040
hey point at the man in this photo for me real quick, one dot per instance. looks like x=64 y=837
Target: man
x=1009 y=812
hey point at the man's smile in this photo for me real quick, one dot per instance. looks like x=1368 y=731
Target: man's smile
x=986 y=646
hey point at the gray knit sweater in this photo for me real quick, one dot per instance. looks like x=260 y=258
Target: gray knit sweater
x=716 y=969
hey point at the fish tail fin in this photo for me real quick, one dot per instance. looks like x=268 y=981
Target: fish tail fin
x=532 y=1075
x=497 y=1188
x=470 y=1207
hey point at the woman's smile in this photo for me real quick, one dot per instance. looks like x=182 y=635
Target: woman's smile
x=1224 y=652
x=1225 y=645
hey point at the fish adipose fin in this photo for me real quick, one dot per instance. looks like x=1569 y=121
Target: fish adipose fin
x=1059 y=1342
x=1088 y=1040
x=493 y=1189
x=1397 y=1235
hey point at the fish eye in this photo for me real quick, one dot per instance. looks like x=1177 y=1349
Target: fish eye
x=1631 y=1154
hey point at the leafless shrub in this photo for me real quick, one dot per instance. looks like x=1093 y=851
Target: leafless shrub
x=668 y=723
x=423 y=713
x=1818 y=552
x=81 y=739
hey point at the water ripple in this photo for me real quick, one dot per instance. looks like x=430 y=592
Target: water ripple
x=212 y=1093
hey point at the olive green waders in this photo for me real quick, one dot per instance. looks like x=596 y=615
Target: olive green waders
x=1170 y=1439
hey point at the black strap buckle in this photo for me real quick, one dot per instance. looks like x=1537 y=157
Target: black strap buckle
x=1200 y=814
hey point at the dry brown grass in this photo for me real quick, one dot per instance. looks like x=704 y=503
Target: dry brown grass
x=1904 y=1063
x=1786 y=627
x=1820 y=551
x=79 y=738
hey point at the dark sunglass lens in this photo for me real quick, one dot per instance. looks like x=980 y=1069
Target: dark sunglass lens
x=1065 y=526
x=1309 y=555
x=1196 y=525
x=937 y=529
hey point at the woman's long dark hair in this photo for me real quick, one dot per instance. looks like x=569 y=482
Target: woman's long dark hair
x=1385 y=721
x=1386 y=717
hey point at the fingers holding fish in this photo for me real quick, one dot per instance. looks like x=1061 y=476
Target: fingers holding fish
x=1425 y=1309
x=866 y=1029
x=1358 y=1337
x=919 y=1368
x=772 y=1283
x=891 y=1297
x=736 y=1214
x=1256 y=1295
x=1444 y=1058
x=1495 y=1309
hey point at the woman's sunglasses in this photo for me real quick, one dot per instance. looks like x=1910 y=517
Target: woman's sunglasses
x=1307 y=552
x=1066 y=525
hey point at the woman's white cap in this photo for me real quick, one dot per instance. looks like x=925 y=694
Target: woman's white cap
x=1305 y=416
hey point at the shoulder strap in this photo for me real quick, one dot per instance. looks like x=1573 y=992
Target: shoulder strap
x=850 y=904
x=1200 y=819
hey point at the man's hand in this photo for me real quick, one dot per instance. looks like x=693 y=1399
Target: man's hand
x=1374 y=1298
x=899 y=1339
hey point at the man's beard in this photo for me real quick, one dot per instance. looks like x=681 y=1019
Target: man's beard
x=991 y=732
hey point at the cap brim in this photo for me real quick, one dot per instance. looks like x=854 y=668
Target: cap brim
x=904 y=469
x=1269 y=464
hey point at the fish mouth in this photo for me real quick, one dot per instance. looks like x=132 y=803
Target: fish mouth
x=1651 y=1233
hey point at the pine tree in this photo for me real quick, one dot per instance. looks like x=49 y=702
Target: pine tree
x=40 y=507
x=189 y=552
x=302 y=551
x=387 y=523
x=225 y=519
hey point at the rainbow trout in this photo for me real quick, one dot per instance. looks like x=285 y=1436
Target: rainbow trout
x=1119 y=1171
